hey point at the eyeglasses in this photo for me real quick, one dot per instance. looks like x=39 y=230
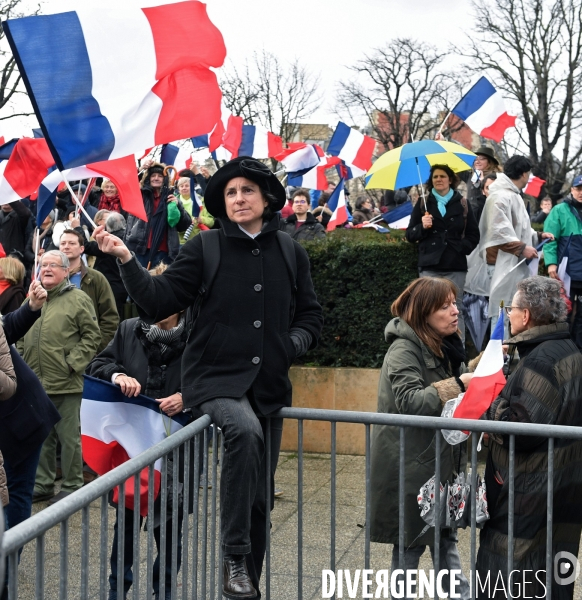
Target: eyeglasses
x=508 y=309
x=52 y=266
x=299 y=202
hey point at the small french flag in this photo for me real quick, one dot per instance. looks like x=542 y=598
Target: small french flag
x=488 y=379
x=115 y=428
x=178 y=156
x=534 y=186
x=353 y=147
x=314 y=178
x=337 y=204
x=258 y=142
x=300 y=157
x=483 y=110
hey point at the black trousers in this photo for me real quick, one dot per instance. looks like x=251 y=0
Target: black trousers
x=243 y=482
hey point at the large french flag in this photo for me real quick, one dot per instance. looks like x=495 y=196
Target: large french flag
x=353 y=147
x=177 y=156
x=488 y=379
x=21 y=175
x=299 y=157
x=483 y=110
x=99 y=98
x=121 y=172
x=314 y=178
x=258 y=142
x=337 y=204
x=115 y=428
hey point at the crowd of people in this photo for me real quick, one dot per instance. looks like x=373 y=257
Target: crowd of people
x=121 y=302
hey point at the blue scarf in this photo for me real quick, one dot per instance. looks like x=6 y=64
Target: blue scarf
x=442 y=200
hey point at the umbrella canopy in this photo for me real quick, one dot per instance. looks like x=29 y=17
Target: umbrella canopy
x=410 y=164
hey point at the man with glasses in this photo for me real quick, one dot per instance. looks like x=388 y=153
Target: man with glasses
x=565 y=223
x=58 y=348
x=302 y=225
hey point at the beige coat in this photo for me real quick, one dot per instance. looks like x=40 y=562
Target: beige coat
x=7 y=389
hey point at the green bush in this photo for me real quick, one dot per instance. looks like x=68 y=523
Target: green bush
x=357 y=275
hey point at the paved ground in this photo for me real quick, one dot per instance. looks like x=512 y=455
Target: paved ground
x=284 y=562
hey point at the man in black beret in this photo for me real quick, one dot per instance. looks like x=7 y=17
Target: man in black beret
x=257 y=317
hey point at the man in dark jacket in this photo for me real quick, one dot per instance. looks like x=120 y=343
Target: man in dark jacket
x=157 y=239
x=545 y=208
x=253 y=323
x=302 y=225
x=14 y=219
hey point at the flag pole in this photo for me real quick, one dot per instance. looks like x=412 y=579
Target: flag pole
x=76 y=201
x=36 y=250
x=443 y=123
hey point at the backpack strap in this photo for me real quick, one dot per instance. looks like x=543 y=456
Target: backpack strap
x=210 y=262
x=287 y=246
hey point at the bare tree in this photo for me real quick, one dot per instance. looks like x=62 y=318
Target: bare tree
x=10 y=78
x=534 y=47
x=240 y=92
x=397 y=88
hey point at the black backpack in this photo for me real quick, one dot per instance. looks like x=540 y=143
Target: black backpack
x=211 y=262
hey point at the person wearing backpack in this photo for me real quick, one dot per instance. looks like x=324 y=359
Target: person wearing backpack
x=248 y=287
x=445 y=230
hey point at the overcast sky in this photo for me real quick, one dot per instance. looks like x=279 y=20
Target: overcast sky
x=326 y=35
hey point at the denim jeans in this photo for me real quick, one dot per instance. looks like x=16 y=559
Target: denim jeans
x=449 y=559
x=243 y=489
x=128 y=553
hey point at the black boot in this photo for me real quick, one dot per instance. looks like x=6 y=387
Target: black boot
x=236 y=581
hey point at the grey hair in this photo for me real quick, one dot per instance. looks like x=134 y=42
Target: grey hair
x=64 y=258
x=541 y=296
x=115 y=222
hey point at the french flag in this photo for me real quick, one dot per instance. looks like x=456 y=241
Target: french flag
x=20 y=175
x=258 y=142
x=488 y=379
x=353 y=147
x=177 y=156
x=337 y=204
x=399 y=218
x=534 y=186
x=314 y=178
x=141 y=88
x=483 y=110
x=299 y=157
x=115 y=428
x=121 y=172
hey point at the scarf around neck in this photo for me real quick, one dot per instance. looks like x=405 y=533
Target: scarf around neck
x=442 y=200
x=163 y=337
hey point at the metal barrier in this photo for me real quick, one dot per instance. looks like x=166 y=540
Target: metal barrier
x=201 y=573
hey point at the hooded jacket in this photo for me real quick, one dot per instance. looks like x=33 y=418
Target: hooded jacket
x=311 y=229
x=137 y=231
x=452 y=237
x=565 y=222
x=62 y=342
x=544 y=388
x=240 y=342
x=413 y=381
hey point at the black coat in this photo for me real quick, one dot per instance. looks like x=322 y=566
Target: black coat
x=13 y=228
x=27 y=418
x=445 y=246
x=106 y=264
x=12 y=298
x=240 y=342
x=310 y=230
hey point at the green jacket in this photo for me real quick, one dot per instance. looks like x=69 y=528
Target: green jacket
x=405 y=387
x=63 y=341
x=96 y=286
x=206 y=218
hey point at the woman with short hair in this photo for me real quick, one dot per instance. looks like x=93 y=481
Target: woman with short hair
x=445 y=230
x=12 y=294
x=545 y=388
x=422 y=370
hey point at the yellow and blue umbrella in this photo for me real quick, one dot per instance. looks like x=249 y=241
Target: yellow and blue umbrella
x=410 y=164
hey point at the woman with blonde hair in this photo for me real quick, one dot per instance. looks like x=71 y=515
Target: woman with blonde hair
x=204 y=218
x=423 y=369
x=11 y=284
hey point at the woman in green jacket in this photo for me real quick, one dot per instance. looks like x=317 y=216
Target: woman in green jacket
x=423 y=368
x=205 y=218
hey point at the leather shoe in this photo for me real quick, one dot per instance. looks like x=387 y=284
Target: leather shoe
x=40 y=497
x=236 y=581
x=62 y=494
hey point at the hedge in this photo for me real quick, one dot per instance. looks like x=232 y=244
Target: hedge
x=357 y=275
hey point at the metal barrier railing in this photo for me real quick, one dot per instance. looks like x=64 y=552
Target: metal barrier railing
x=201 y=573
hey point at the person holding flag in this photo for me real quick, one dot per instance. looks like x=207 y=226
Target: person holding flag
x=565 y=223
x=545 y=388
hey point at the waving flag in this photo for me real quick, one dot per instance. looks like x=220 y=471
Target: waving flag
x=6 y=148
x=115 y=428
x=483 y=110
x=314 y=178
x=488 y=379
x=353 y=147
x=534 y=186
x=299 y=157
x=121 y=172
x=337 y=204
x=178 y=156
x=23 y=172
x=258 y=142
x=563 y=271
x=399 y=218
x=140 y=89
